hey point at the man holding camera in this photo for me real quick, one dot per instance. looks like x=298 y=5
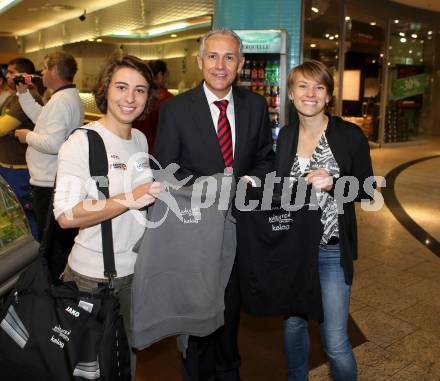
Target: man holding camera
x=54 y=122
x=13 y=167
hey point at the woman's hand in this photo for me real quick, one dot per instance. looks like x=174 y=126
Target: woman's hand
x=320 y=179
x=143 y=195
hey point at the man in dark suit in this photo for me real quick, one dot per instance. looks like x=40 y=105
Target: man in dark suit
x=214 y=127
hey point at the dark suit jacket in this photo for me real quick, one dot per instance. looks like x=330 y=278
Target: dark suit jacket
x=186 y=135
x=352 y=153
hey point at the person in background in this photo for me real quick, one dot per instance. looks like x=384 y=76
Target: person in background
x=122 y=95
x=323 y=148
x=5 y=92
x=13 y=167
x=54 y=122
x=149 y=125
x=210 y=129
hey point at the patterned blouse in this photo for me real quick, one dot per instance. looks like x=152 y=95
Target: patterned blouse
x=322 y=158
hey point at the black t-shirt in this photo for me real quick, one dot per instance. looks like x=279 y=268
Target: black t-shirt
x=278 y=254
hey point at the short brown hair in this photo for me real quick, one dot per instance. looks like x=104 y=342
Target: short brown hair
x=315 y=70
x=116 y=62
x=65 y=64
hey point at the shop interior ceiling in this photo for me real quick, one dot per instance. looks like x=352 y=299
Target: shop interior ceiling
x=39 y=24
x=430 y=5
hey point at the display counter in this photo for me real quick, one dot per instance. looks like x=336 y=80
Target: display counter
x=17 y=246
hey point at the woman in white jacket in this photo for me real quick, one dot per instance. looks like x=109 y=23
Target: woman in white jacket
x=122 y=95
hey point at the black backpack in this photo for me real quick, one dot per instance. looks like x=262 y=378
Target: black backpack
x=57 y=243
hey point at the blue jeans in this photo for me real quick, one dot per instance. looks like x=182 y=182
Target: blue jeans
x=335 y=301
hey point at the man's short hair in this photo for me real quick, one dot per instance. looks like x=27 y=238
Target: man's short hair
x=157 y=66
x=65 y=64
x=222 y=31
x=23 y=65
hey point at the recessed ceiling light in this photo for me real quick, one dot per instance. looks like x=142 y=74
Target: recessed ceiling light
x=410 y=52
x=173 y=35
x=99 y=40
x=403 y=39
x=373 y=23
x=314 y=9
x=6 y=4
x=336 y=35
x=347 y=18
x=331 y=38
x=429 y=32
x=396 y=21
x=414 y=35
x=313 y=45
x=326 y=35
x=401 y=34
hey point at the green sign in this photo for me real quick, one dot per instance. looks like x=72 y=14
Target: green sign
x=260 y=41
x=409 y=86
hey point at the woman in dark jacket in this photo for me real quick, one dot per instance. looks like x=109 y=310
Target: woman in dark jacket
x=326 y=150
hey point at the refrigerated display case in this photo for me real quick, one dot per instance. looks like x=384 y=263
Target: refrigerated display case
x=265 y=71
x=17 y=246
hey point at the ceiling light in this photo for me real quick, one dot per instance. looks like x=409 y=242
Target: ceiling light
x=314 y=9
x=410 y=52
x=401 y=34
x=6 y=4
x=336 y=35
x=429 y=32
x=331 y=38
x=327 y=35
x=429 y=37
x=374 y=61
x=347 y=18
x=396 y=21
x=373 y=23
x=421 y=59
x=414 y=35
x=174 y=35
x=99 y=40
x=167 y=28
x=381 y=55
x=313 y=45
x=403 y=39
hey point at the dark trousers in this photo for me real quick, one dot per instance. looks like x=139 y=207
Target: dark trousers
x=216 y=357
x=41 y=201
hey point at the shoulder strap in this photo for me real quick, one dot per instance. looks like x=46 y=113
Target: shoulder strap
x=98 y=165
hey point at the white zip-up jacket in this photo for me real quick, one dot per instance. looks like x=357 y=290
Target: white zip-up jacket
x=53 y=124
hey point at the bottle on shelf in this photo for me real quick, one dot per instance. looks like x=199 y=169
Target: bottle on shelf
x=254 y=73
x=275 y=73
x=247 y=71
x=268 y=73
x=261 y=74
x=268 y=95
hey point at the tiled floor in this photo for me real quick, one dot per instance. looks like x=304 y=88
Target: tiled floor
x=395 y=296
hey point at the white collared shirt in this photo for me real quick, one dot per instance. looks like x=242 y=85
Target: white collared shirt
x=215 y=112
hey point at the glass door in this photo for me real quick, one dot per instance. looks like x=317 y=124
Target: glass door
x=411 y=73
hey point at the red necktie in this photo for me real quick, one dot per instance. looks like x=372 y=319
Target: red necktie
x=224 y=133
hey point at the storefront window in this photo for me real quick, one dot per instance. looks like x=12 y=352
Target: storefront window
x=321 y=35
x=411 y=74
x=362 y=77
